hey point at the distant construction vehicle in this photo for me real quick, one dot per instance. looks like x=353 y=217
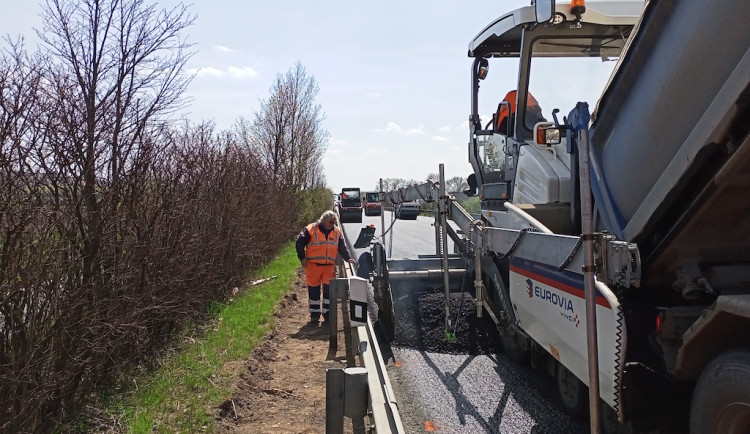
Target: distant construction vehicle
x=350 y=205
x=407 y=210
x=373 y=204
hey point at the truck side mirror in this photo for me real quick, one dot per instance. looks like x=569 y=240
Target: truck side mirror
x=545 y=10
x=472 y=181
x=483 y=69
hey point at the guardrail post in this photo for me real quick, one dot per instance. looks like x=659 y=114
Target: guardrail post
x=333 y=313
x=334 y=401
x=337 y=291
x=356 y=392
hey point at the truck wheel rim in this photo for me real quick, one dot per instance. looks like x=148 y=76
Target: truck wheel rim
x=734 y=419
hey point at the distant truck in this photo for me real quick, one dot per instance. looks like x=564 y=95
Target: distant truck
x=350 y=205
x=407 y=210
x=372 y=203
x=336 y=201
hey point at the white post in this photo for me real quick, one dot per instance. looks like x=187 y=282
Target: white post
x=588 y=278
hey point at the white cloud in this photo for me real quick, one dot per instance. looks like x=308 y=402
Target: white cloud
x=337 y=142
x=440 y=139
x=224 y=49
x=391 y=128
x=373 y=151
x=445 y=129
x=416 y=131
x=238 y=72
x=242 y=72
x=207 y=71
x=396 y=128
x=372 y=95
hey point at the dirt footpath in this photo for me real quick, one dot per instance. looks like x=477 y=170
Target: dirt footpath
x=281 y=388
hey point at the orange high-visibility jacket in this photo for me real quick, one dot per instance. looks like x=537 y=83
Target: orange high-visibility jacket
x=502 y=111
x=322 y=249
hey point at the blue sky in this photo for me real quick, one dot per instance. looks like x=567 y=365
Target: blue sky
x=393 y=76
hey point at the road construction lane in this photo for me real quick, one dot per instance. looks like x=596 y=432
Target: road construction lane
x=464 y=387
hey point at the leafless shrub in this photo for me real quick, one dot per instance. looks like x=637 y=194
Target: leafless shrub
x=115 y=227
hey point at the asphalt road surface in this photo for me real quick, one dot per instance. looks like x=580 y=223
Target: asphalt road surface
x=466 y=386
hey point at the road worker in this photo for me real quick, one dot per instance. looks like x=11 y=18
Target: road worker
x=317 y=247
x=504 y=122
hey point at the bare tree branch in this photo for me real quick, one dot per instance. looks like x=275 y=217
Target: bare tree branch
x=287 y=131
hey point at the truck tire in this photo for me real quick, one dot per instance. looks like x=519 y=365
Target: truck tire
x=513 y=346
x=609 y=423
x=571 y=392
x=721 y=399
x=515 y=352
x=387 y=316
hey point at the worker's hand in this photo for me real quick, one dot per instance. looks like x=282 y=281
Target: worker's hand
x=352 y=261
x=304 y=262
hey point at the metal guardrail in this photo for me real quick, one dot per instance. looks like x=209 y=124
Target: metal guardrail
x=382 y=403
x=344 y=387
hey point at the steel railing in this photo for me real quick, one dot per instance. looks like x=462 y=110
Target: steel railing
x=344 y=387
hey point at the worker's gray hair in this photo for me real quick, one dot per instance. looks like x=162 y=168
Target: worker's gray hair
x=328 y=215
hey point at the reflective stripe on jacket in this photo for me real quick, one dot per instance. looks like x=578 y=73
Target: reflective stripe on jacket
x=322 y=249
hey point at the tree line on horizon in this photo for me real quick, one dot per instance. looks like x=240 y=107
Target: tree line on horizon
x=452 y=185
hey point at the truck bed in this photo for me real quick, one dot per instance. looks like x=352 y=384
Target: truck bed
x=670 y=154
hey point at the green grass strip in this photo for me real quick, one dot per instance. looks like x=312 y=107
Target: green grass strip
x=180 y=395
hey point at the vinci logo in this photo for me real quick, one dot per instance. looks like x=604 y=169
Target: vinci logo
x=530 y=287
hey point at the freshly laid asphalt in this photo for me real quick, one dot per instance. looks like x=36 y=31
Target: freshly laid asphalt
x=463 y=386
